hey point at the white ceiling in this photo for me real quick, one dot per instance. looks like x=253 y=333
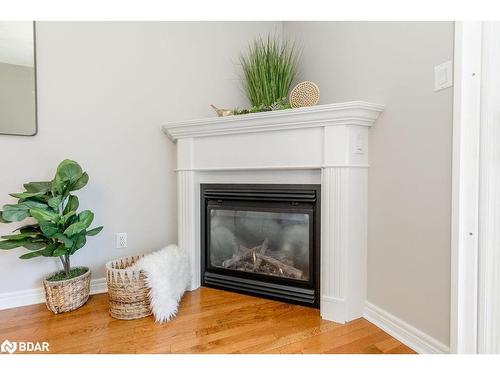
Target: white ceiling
x=16 y=43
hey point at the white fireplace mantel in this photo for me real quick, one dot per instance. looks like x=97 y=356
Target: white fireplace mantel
x=325 y=144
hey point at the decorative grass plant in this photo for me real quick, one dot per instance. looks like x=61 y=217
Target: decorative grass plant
x=269 y=68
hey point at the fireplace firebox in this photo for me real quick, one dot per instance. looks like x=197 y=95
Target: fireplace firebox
x=262 y=239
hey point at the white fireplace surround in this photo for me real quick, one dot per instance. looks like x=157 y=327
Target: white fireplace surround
x=325 y=144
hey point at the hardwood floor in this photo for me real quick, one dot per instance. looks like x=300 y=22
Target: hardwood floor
x=209 y=321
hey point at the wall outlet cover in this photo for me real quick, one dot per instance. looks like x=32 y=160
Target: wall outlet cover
x=121 y=240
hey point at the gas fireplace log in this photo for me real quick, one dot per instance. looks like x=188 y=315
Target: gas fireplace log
x=262 y=251
x=247 y=254
x=251 y=260
x=237 y=258
x=282 y=256
x=286 y=269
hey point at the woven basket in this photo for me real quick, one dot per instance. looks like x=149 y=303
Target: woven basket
x=127 y=290
x=67 y=295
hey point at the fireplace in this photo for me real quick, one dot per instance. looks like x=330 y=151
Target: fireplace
x=262 y=240
x=324 y=144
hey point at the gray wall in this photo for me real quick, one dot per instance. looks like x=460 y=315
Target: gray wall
x=104 y=90
x=17 y=99
x=410 y=154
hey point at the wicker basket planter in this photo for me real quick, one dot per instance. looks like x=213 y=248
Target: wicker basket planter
x=127 y=290
x=67 y=295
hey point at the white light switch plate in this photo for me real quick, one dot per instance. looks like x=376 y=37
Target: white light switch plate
x=443 y=76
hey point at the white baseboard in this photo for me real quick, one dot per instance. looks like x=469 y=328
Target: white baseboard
x=98 y=286
x=37 y=295
x=404 y=332
x=333 y=309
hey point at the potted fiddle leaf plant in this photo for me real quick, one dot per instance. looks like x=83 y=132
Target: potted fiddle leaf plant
x=56 y=229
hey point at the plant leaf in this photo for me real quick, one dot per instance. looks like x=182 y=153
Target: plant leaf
x=26 y=195
x=69 y=171
x=94 y=231
x=34 y=204
x=49 y=250
x=34 y=245
x=20 y=236
x=2 y=220
x=27 y=228
x=11 y=244
x=15 y=212
x=72 y=204
x=31 y=255
x=66 y=217
x=65 y=239
x=86 y=217
x=60 y=250
x=71 y=220
x=38 y=186
x=75 y=228
x=48 y=228
x=41 y=214
x=58 y=185
x=81 y=182
x=78 y=243
x=55 y=201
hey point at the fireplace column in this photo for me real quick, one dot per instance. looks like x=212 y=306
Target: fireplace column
x=344 y=178
x=187 y=209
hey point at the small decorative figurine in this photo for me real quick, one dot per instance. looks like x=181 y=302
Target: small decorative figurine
x=222 y=112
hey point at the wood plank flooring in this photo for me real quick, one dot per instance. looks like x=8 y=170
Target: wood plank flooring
x=209 y=321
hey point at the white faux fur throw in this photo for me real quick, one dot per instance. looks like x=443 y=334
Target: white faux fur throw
x=167 y=275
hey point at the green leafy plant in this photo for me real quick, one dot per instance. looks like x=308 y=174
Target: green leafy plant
x=269 y=68
x=278 y=105
x=59 y=230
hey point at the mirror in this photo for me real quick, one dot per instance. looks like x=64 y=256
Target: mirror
x=17 y=78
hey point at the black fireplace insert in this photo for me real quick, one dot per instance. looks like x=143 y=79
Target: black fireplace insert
x=262 y=239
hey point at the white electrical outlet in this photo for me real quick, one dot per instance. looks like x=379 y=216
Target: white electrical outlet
x=121 y=240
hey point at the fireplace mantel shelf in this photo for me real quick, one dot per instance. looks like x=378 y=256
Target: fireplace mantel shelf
x=351 y=113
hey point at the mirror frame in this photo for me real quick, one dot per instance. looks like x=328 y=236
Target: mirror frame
x=36 y=89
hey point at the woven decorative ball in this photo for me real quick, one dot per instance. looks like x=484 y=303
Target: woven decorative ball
x=305 y=94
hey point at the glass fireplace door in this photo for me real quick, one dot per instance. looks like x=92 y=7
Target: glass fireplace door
x=268 y=243
x=262 y=240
